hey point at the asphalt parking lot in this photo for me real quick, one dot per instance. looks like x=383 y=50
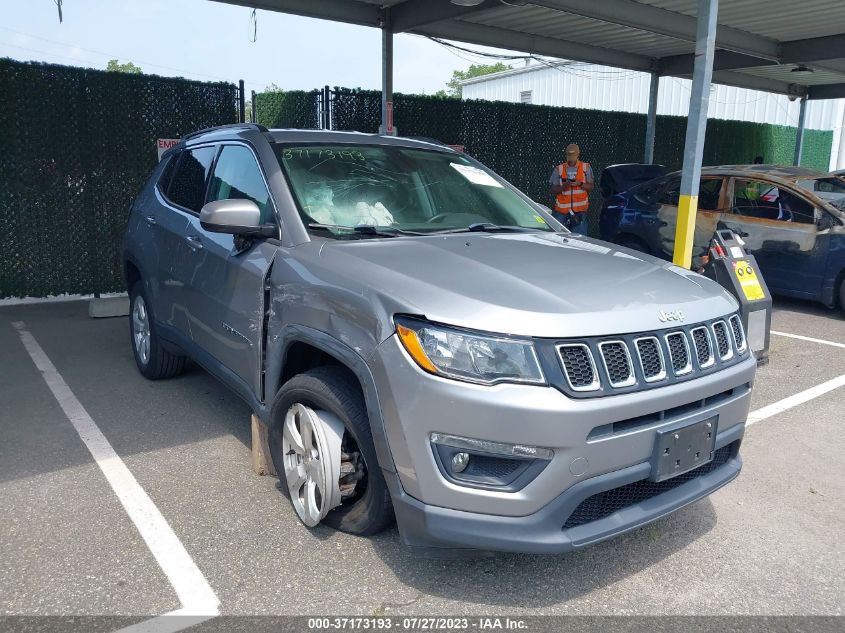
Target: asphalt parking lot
x=769 y=543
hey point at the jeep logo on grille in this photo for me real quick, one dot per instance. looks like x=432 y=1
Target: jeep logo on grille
x=672 y=315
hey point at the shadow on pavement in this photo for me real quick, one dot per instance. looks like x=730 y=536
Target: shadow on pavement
x=95 y=359
x=535 y=581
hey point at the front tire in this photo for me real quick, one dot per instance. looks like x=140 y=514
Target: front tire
x=365 y=508
x=153 y=361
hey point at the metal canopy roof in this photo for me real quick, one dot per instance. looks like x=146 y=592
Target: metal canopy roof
x=782 y=46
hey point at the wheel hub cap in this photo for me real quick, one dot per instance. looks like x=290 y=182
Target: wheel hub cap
x=311 y=442
x=141 y=329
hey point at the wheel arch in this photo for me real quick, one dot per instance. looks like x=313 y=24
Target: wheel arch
x=305 y=348
x=133 y=271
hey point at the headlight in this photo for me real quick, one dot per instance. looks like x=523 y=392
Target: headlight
x=478 y=358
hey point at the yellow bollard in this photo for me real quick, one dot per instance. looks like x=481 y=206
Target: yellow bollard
x=685 y=231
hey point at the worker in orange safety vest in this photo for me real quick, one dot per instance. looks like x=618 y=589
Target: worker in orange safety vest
x=571 y=183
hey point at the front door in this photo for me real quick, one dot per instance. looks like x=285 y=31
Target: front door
x=227 y=277
x=779 y=227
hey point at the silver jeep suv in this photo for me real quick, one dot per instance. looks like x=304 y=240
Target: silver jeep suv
x=423 y=341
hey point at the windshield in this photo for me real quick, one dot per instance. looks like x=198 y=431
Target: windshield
x=398 y=189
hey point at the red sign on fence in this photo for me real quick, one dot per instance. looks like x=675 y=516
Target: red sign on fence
x=164 y=144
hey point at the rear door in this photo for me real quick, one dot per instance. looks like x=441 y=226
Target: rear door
x=779 y=226
x=228 y=275
x=711 y=204
x=182 y=196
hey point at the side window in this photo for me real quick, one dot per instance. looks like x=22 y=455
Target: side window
x=648 y=192
x=237 y=176
x=166 y=174
x=187 y=184
x=795 y=209
x=671 y=193
x=708 y=194
x=756 y=199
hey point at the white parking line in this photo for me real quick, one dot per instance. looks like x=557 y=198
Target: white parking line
x=808 y=338
x=793 y=401
x=196 y=595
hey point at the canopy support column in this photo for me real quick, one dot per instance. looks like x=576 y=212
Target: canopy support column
x=651 y=118
x=386 y=126
x=799 y=137
x=696 y=127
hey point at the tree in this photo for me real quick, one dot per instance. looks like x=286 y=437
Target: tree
x=128 y=67
x=476 y=70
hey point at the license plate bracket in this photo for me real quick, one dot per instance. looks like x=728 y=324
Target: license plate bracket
x=680 y=450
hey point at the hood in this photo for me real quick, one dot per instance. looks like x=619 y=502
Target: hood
x=530 y=284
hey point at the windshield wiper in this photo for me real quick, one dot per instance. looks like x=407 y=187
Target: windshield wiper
x=489 y=227
x=365 y=229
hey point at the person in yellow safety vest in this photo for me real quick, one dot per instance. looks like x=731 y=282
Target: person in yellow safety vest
x=571 y=183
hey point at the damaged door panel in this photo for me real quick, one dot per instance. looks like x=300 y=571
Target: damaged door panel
x=711 y=199
x=779 y=229
x=705 y=225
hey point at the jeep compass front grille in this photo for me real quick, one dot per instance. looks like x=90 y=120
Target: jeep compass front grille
x=651 y=359
x=703 y=347
x=579 y=366
x=601 y=366
x=679 y=352
x=720 y=330
x=739 y=335
x=614 y=354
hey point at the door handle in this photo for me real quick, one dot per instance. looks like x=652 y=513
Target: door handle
x=150 y=219
x=194 y=242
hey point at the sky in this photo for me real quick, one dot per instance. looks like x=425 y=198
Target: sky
x=205 y=40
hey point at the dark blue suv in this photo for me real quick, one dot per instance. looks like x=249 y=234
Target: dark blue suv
x=792 y=220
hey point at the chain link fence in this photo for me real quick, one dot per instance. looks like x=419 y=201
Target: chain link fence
x=76 y=146
x=289 y=109
x=524 y=142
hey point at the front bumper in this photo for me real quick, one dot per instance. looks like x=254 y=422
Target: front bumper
x=614 y=436
x=543 y=532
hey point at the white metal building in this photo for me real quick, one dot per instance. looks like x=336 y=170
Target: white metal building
x=590 y=86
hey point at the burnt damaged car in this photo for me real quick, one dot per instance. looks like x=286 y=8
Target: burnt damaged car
x=792 y=220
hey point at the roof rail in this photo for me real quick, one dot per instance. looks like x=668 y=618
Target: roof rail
x=230 y=126
x=427 y=139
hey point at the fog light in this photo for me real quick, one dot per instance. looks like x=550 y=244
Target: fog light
x=496 y=448
x=459 y=462
x=484 y=464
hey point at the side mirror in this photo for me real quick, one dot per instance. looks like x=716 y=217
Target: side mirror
x=237 y=217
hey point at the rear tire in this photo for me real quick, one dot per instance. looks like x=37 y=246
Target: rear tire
x=153 y=361
x=335 y=390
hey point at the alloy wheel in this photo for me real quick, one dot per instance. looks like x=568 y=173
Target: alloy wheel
x=141 y=329
x=311 y=445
